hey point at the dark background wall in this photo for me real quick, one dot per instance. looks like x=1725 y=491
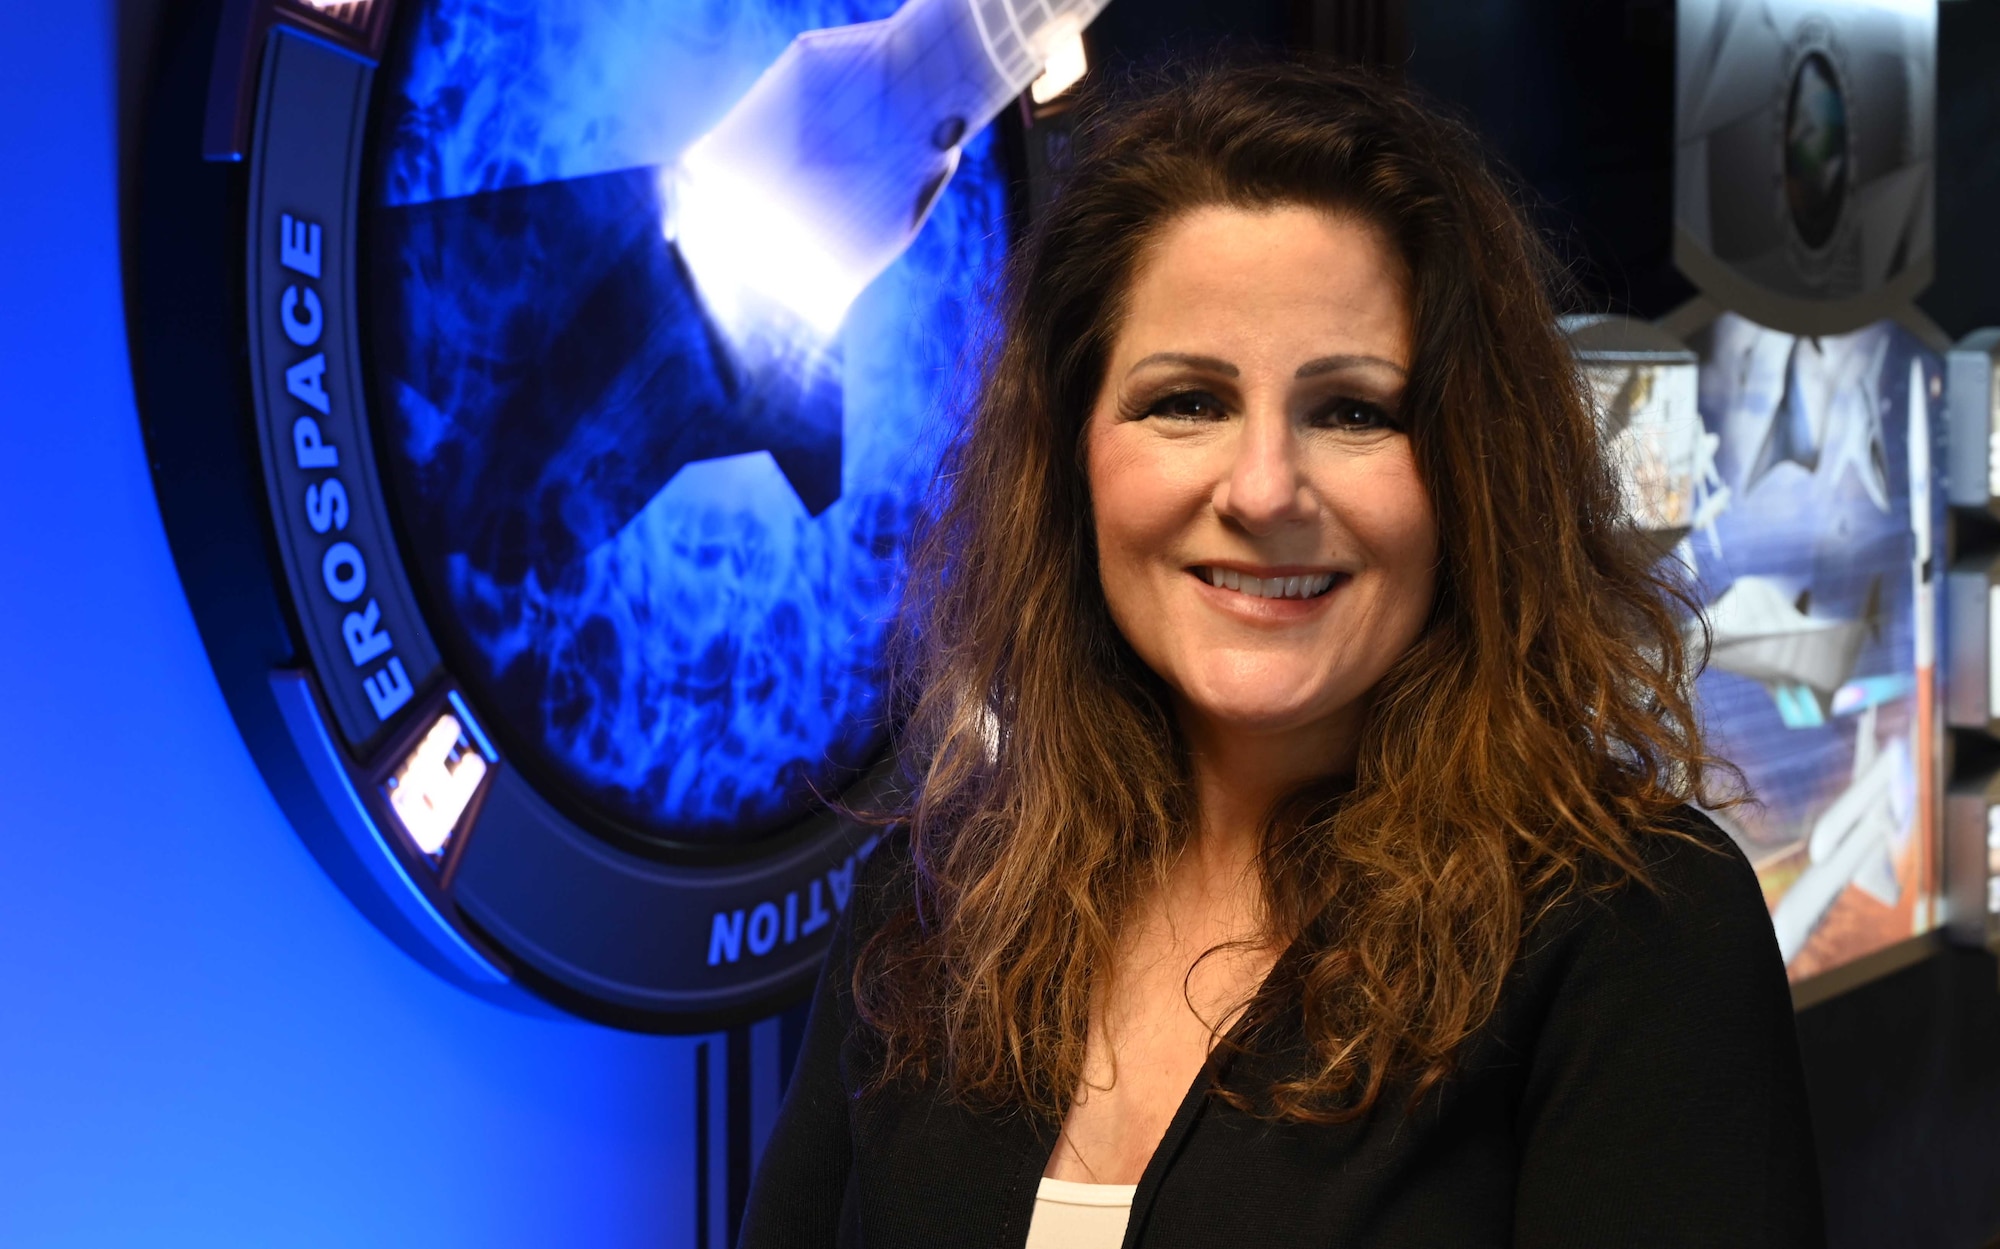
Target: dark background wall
x=1576 y=98
x=1966 y=294
x=1905 y=1082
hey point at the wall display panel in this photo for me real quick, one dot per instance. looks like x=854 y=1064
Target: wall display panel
x=1646 y=386
x=1972 y=607
x=1972 y=380
x=1972 y=692
x=666 y=572
x=1972 y=859
x=598 y=356
x=1815 y=561
x=1804 y=178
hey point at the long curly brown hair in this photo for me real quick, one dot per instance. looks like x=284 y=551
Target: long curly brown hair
x=1532 y=736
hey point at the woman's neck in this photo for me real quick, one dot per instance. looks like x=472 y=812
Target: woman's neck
x=1240 y=774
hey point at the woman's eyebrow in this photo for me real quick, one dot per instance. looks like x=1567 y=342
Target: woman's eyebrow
x=1209 y=363
x=1333 y=364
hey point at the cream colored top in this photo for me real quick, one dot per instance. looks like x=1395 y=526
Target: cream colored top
x=1069 y=1215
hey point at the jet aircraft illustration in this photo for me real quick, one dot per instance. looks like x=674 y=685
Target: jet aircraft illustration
x=1826 y=419
x=1853 y=840
x=1756 y=630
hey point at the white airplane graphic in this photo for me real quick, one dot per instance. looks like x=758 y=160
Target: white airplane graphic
x=1853 y=841
x=1827 y=419
x=1758 y=631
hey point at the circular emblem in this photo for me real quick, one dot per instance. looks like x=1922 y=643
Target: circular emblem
x=1818 y=166
x=541 y=400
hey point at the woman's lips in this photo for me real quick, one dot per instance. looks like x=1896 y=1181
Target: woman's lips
x=1275 y=585
x=1278 y=596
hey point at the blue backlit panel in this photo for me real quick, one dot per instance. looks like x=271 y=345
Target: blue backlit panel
x=665 y=578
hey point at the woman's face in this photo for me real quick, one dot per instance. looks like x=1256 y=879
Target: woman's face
x=1264 y=540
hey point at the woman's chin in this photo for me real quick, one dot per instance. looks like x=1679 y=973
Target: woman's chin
x=1256 y=713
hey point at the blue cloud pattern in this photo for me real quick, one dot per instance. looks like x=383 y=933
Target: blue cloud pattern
x=673 y=638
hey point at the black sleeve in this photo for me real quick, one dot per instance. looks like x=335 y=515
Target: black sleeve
x=1665 y=1105
x=797 y=1194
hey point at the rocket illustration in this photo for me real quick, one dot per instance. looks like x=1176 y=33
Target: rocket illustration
x=1923 y=574
x=825 y=170
x=690 y=312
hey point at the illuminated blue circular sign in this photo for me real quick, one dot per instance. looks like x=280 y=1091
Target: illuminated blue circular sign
x=540 y=399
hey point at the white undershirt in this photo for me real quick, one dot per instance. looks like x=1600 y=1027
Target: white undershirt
x=1069 y=1215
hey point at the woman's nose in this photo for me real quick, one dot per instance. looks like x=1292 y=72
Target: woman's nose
x=1264 y=485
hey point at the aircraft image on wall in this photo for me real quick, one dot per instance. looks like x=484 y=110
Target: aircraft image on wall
x=1854 y=840
x=1824 y=420
x=1805 y=662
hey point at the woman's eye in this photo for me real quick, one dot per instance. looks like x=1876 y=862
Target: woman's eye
x=1354 y=414
x=1187 y=405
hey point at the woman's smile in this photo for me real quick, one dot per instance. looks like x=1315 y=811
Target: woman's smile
x=1265 y=541
x=1298 y=737
x=1267 y=583
x=1269 y=597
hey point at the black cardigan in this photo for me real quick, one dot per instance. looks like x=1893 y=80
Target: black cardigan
x=1639 y=1085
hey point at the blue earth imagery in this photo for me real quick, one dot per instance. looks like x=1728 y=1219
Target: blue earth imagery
x=679 y=615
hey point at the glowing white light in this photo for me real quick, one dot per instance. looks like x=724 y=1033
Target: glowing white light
x=751 y=252
x=819 y=177
x=1901 y=8
x=1992 y=651
x=1993 y=860
x=430 y=791
x=1065 y=67
x=344 y=10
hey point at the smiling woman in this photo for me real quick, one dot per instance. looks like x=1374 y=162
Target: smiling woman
x=1298 y=847
x=1265 y=542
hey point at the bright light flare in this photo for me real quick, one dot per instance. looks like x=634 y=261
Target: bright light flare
x=753 y=254
x=353 y=12
x=1065 y=63
x=822 y=174
x=435 y=784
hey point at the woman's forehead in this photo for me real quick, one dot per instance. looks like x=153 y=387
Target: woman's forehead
x=1266 y=284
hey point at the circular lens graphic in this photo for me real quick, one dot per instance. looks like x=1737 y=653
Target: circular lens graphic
x=1816 y=157
x=662 y=561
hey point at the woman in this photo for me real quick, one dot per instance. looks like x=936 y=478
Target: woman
x=1296 y=849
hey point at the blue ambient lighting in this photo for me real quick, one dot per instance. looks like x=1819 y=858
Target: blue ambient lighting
x=667 y=580
x=472 y=728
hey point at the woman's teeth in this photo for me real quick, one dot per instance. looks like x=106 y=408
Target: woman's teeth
x=1310 y=586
